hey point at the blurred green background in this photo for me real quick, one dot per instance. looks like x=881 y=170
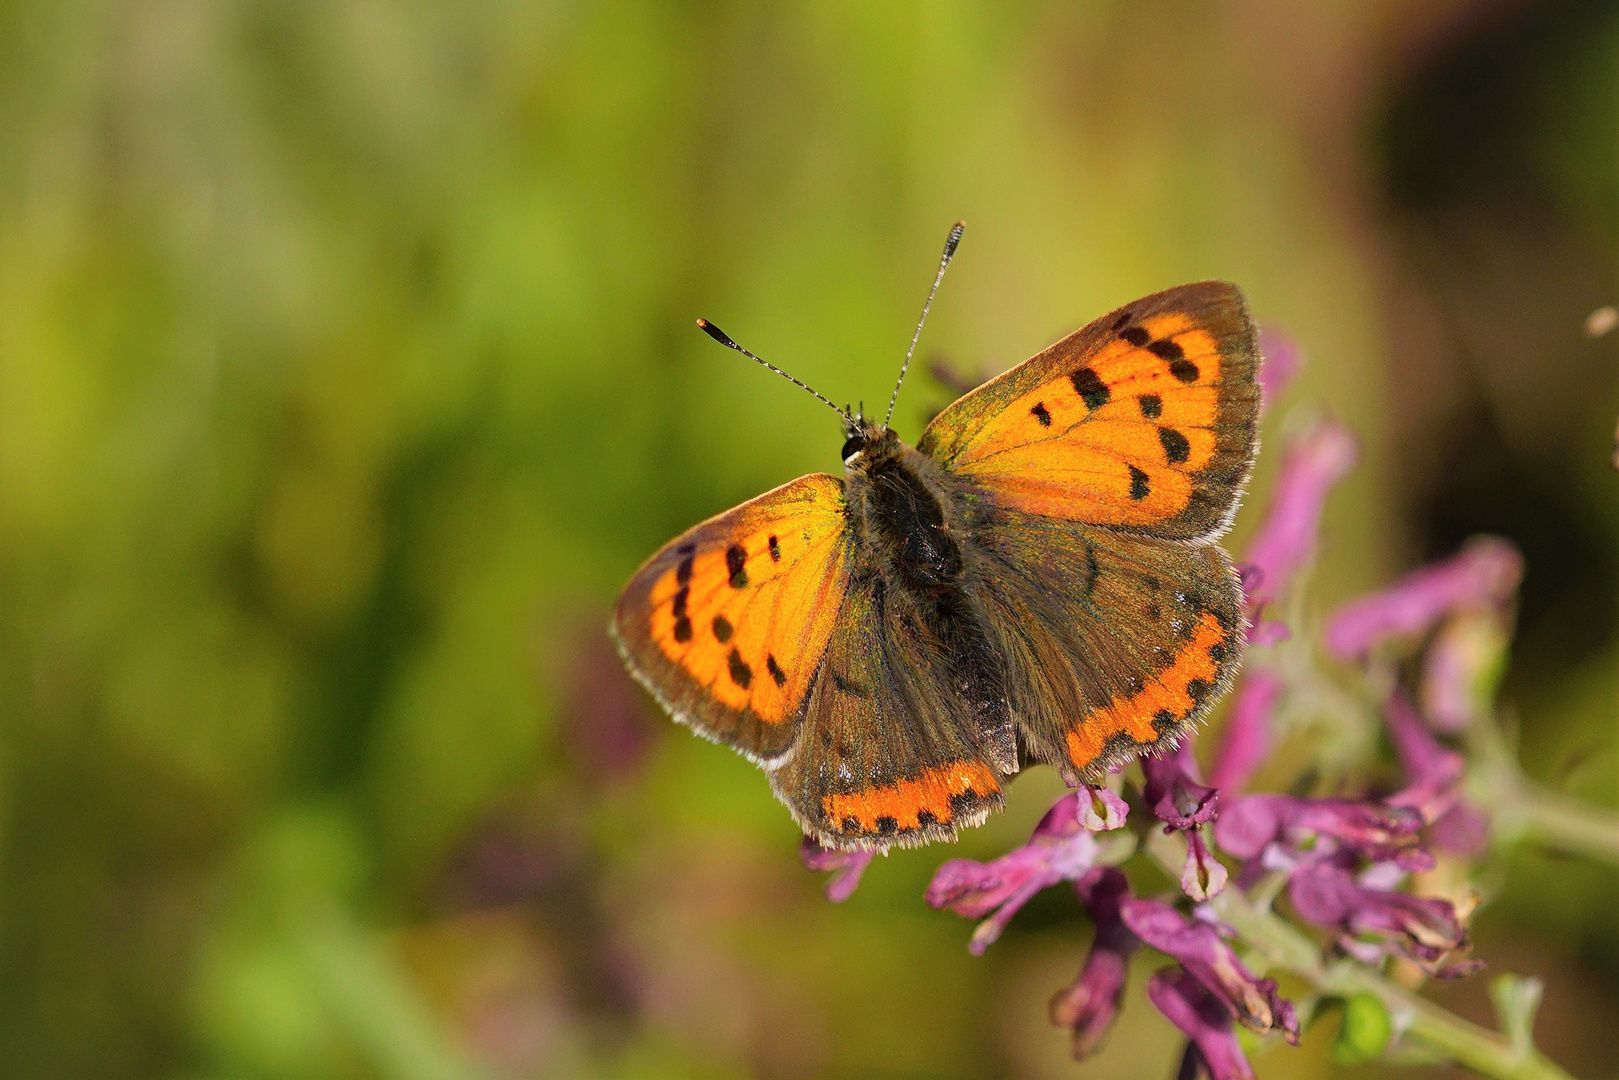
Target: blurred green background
x=347 y=369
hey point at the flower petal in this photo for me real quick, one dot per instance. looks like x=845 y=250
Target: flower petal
x=1088 y=1005
x=1207 y=1022
x=846 y=867
x=1485 y=573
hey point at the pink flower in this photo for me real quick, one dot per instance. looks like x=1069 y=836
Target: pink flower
x=1423 y=929
x=1205 y=1020
x=1175 y=797
x=1204 y=956
x=1087 y=1006
x=846 y=867
x=1280 y=360
x=1245 y=743
x=1060 y=849
x=1485 y=573
x=1374 y=831
x=1435 y=777
x=1286 y=540
x=1172 y=792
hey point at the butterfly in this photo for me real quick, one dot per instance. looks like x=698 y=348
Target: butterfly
x=1037 y=581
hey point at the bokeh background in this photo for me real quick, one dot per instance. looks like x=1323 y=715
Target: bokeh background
x=347 y=369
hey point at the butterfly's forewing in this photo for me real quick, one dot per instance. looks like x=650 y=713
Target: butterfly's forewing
x=1143 y=420
x=1115 y=642
x=727 y=624
x=1102 y=468
x=888 y=753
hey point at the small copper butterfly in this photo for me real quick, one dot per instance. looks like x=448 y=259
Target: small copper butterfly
x=1037 y=581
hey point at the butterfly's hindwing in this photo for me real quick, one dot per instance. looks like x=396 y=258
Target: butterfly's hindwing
x=1114 y=643
x=887 y=755
x=727 y=624
x=1143 y=420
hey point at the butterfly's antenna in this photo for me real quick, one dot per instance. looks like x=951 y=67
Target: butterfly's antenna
x=724 y=339
x=944 y=262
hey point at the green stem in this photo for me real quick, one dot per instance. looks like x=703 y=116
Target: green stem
x=1418 y=1020
x=1568 y=825
x=1522 y=809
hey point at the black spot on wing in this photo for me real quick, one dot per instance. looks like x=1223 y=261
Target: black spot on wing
x=1139 y=488
x=775 y=548
x=1166 y=349
x=1135 y=335
x=1089 y=385
x=1176 y=447
x=736 y=561
x=774 y=668
x=683 y=629
x=1184 y=370
x=1197 y=689
x=1152 y=406
x=741 y=673
x=1040 y=413
x=688 y=555
x=1163 y=720
x=1217 y=653
x=1122 y=321
x=722 y=629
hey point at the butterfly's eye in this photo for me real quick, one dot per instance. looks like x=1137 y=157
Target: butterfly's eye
x=855 y=444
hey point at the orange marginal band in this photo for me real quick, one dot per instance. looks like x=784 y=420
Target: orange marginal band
x=906 y=801
x=1170 y=696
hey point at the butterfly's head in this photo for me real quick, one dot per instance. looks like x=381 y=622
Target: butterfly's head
x=861 y=438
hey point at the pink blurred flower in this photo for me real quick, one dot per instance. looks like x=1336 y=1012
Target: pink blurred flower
x=1060 y=849
x=1461 y=668
x=1485 y=573
x=1423 y=929
x=1435 y=779
x=846 y=867
x=1087 y=1006
x=1286 y=539
x=1245 y=743
x=1280 y=360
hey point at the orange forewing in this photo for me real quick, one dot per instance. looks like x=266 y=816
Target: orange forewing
x=1143 y=420
x=727 y=624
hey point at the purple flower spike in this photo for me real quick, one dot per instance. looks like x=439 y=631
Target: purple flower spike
x=1173 y=793
x=1286 y=539
x=846 y=867
x=1202 y=954
x=1205 y=1021
x=1423 y=929
x=1088 y=1005
x=1099 y=809
x=1484 y=574
x=1281 y=359
x=1246 y=741
x=1060 y=849
x=1374 y=831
